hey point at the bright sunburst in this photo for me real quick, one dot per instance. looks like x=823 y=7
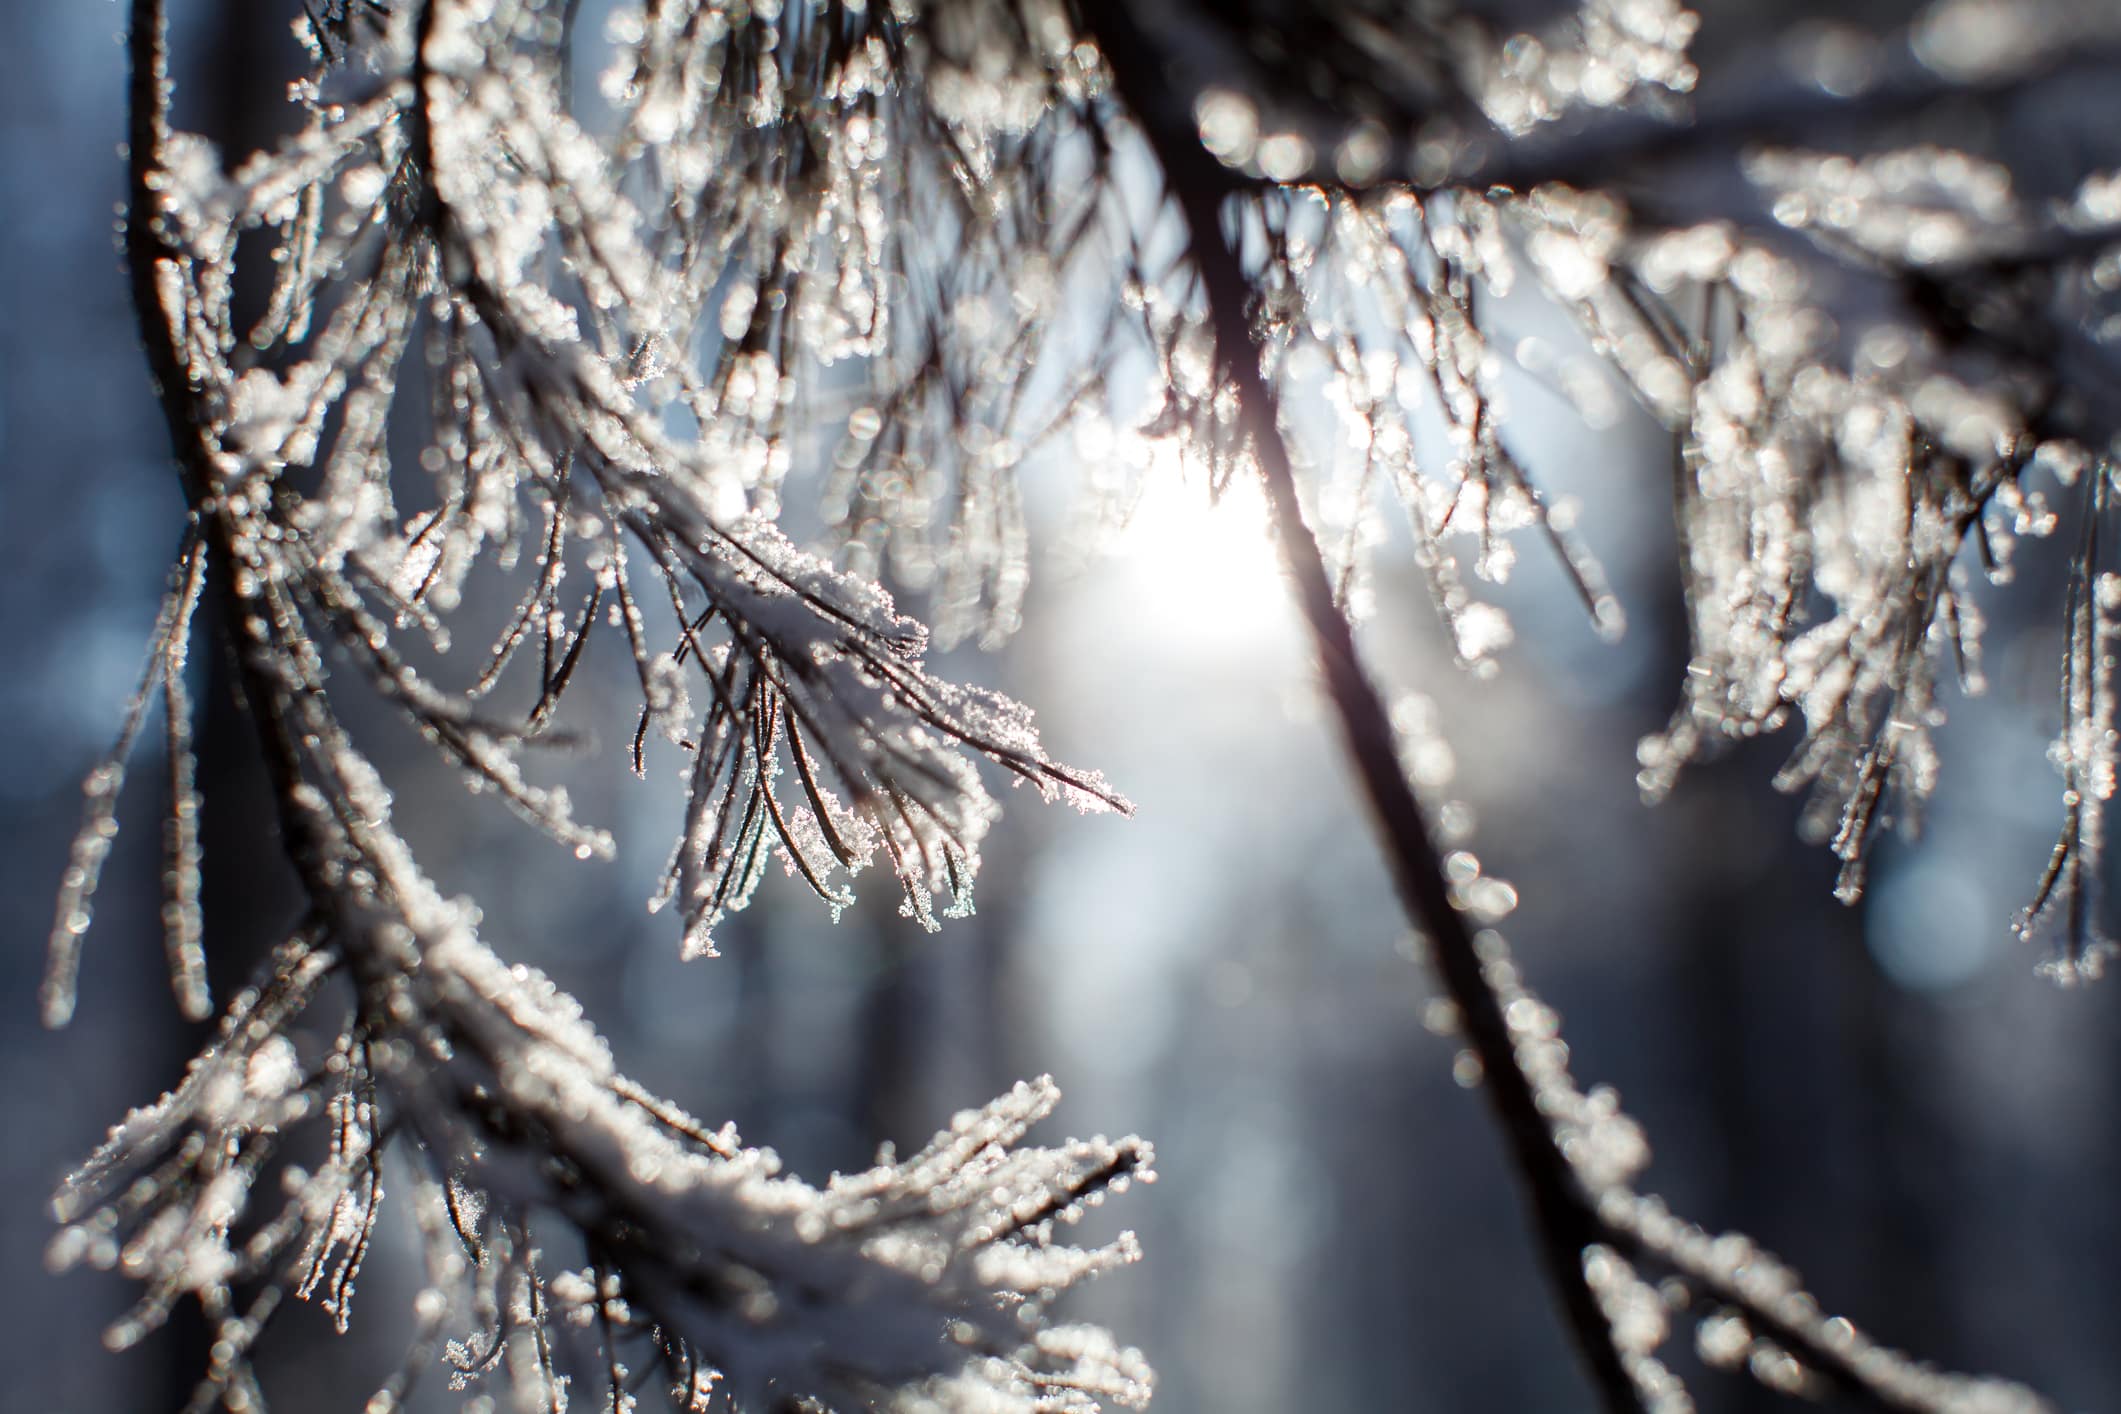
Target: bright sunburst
x=1206 y=572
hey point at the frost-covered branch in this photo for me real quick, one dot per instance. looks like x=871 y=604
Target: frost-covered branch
x=1883 y=363
x=918 y=1283
x=1576 y=1154
x=1561 y=1210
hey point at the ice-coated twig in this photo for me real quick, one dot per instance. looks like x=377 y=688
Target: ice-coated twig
x=164 y=673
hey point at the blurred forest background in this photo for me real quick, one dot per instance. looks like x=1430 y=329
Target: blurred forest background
x=1886 y=1095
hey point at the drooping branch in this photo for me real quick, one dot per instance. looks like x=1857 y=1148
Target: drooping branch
x=1562 y=1213
x=1588 y=1220
x=922 y=1283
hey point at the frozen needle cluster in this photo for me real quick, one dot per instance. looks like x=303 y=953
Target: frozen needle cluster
x=614 y=322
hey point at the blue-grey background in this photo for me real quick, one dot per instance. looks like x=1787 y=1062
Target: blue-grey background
x=1885 y=1095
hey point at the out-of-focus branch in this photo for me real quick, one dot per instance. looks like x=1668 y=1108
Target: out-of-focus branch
x=1782 y=108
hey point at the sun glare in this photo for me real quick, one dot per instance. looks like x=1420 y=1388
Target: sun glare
x=1204 y=573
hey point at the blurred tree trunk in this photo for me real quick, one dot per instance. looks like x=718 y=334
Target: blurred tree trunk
x=1907 y=1167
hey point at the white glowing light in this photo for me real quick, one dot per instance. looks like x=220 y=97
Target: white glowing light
x=1204 y=576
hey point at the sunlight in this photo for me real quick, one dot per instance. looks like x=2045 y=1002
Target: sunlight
x=1202 y=574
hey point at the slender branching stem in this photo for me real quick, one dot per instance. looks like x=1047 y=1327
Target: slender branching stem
x=1567 y=1217
x=147 y=249
x=1565 y=1220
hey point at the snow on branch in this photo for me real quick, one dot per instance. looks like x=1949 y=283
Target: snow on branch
x=916 y=1283
x=443 y=204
